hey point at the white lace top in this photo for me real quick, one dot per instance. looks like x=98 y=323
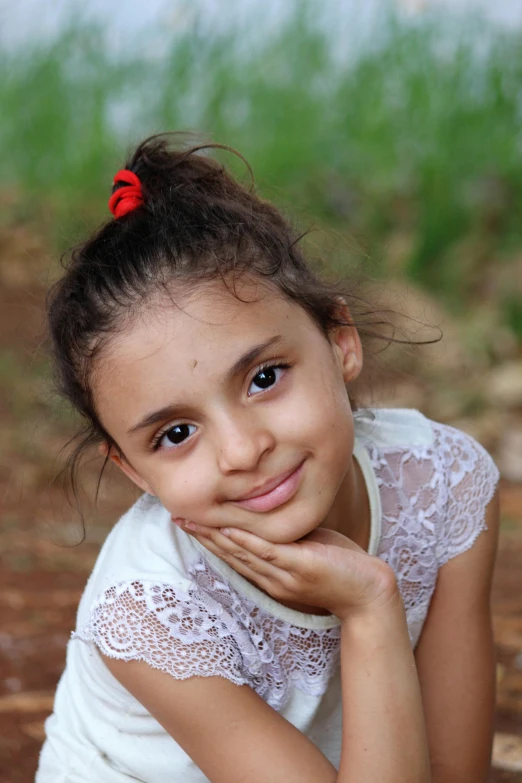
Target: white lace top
x=157 y=595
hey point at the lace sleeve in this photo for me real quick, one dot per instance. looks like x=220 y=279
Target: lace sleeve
x=179 y=633
x=470 y=479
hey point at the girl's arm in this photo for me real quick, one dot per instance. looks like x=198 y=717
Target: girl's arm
x=233 y=735
x=384 y=737
x=228 y=731
x=456 y=663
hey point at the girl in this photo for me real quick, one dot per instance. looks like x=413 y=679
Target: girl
x=302 y=593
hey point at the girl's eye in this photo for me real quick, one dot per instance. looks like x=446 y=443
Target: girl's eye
x=265 y=378
x=174 y=436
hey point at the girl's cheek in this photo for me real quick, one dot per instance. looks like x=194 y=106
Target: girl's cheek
x=184 y=500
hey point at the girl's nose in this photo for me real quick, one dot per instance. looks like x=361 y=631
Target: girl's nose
x=242 y=444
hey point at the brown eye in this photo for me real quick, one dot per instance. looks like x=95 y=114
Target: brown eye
x=178 y=434
x=175 y=436
x=265 y=378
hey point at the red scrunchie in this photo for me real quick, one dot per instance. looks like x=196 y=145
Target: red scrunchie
x=127 y=198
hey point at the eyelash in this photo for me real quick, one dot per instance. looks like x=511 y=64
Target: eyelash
x=265 y=366
x=156 y=440
x=158 y=437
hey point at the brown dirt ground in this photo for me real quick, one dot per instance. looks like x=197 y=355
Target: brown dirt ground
x=44 y=569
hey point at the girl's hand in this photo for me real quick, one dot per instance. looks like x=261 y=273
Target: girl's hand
x=323 y=569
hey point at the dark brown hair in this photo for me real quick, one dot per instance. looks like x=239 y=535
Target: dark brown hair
x=197 y=223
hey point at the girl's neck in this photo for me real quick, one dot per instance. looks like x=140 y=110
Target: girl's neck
x=350 y=513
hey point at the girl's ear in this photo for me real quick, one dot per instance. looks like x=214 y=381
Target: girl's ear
x=119 y=460
x=346 y=344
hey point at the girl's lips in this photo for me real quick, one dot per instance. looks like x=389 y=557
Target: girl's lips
x=276 y=496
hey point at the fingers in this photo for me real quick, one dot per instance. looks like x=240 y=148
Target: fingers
x=234 y=540
x=277 y=568
x=332 y=538
x=260 y=561
x=253 y=558
x=256 y=545
x=245 y=563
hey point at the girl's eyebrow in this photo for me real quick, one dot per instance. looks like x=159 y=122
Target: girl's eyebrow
x=251 y=355
x=170 y=411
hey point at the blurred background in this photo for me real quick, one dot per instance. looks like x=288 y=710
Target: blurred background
x=394 y=129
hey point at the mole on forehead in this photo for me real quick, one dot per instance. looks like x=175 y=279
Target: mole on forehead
x=145 y=342
x=147 y=330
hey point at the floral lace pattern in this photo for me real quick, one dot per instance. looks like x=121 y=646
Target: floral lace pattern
x=211 y=630
x=471 y=482
x=433 y=503
x=280 y=654
x=165 y=627
x=433 y=500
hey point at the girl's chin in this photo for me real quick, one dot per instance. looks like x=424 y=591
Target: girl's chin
x=286 y=533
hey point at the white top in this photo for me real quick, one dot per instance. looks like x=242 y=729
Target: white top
x=157 y=595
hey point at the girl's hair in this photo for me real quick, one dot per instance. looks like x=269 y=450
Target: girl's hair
x=197 y=223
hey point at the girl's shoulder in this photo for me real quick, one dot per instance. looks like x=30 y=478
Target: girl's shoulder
x=147 y=600
x=143 y=543
x=393 y=428
x=435 y=480
x=407 y=431
x=143 y=548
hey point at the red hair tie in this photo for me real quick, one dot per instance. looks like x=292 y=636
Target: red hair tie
x=127 y=198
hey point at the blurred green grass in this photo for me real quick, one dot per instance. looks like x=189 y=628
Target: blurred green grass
x=415 y=134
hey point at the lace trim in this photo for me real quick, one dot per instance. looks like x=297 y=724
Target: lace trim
x=167 y=628
x=285 y=655
x=211 y=630
x=433 y=505
x=471 y=477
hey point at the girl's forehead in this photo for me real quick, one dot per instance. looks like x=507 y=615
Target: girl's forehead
x=212 y=322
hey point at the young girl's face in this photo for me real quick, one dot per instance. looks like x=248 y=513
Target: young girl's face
x=234 y=412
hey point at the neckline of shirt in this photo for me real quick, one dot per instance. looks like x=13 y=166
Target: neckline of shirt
x=273 y=607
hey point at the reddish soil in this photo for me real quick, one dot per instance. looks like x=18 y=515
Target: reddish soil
x=44 y=569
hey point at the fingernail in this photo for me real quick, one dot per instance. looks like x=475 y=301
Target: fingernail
x=225 y=531
x=191 y=525
x=177 y=521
